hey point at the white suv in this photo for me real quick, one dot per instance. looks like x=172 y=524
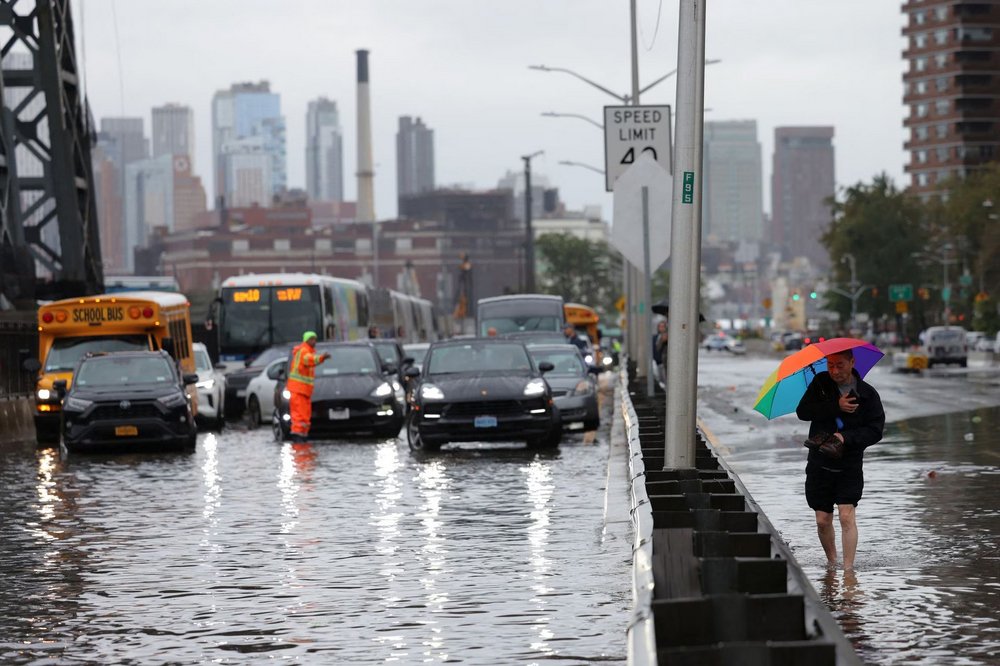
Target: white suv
x=211 y=387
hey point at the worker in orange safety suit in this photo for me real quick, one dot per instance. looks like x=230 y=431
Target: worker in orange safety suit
x=301 y=374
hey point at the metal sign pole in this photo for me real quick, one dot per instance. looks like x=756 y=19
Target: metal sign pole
x=647 y=318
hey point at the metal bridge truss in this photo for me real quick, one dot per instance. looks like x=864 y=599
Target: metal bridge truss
x=49 y=244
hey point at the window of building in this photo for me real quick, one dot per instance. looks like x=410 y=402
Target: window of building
x=343 y=246
x=919 y=40
x=943 y=175
x=920 y=133
x=941 y=13
x=920 y=156
x=941 y=106
x=920 y=64
x=942 y=130
x=941 y=83
x=941 y=60
x=282 y=244
x=920 y=110
x=940 y=37
x=921 y=87
x=363 y=246
x=922 y=179
x=241 y=245
x=323 y=245
x=919 y=18
x=974 y=34
x=443 y=243
x=941 y=154
x=404 y=245
x=987 y=152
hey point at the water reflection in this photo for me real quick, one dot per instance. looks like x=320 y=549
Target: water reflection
x=539 y=486
x=928 y=567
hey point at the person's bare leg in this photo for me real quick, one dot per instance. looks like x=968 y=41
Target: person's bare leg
x=848 y=534
x=827 y=537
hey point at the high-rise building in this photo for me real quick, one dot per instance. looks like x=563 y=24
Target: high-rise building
x=951 y=89
x=414 y=157
x=324 y=151
x=802 y=180
x=733 y=182
x=120 y=143
x=247 y=122
x=173 y=131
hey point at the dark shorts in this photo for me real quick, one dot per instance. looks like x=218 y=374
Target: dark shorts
x=825 y=487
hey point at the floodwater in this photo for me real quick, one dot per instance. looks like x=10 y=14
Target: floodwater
x=926 y=589
x=333 y=552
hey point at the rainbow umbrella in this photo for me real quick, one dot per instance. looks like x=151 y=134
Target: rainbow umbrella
x=785 y=386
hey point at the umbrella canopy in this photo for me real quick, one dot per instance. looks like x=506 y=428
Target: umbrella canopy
x=785 y=387
x=663 y=308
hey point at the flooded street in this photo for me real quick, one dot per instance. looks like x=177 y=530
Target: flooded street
x=928 y=568
x=334 y=552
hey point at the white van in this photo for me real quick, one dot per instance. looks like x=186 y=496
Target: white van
x=946 y=344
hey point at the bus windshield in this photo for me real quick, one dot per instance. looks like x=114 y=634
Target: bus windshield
x=254 y=318
x=65 y=352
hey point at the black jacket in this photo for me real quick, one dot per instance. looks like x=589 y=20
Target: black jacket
x=860 y=430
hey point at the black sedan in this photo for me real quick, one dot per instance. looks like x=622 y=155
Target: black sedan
x=573 y=384
x=237 y=381
x=127 y=400
x=474 y=390
x=354 y=392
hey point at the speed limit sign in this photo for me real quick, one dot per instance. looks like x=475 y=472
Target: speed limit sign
x=630 y=131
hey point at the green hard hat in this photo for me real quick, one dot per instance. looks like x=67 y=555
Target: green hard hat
x=309 y=334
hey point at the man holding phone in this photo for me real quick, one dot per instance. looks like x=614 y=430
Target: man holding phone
x=846 y=417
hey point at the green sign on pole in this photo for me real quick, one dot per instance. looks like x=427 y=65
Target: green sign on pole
x=687 y=194
x=900 y=292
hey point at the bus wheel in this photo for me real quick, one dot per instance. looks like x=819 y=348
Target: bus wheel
x=253 y=406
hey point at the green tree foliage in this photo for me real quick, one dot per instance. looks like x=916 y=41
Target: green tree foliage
x=579 y=270
x=883 y=229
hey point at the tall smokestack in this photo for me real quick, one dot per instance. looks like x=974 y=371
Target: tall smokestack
x=366 y=174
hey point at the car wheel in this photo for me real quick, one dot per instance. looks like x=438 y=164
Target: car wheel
x=276 y=428
x=415 y=440
x=253 y=406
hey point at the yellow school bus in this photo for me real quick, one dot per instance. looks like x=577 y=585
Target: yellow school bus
x=134 y=321
x=583 y=318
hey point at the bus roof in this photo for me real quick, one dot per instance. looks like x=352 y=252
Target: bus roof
x=521 y=297
x=281 y=279
x=161 y=298
x=578 y=313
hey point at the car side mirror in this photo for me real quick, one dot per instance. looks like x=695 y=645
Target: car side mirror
x=545 y=366
x=190 y=378
x=282 y=375
x=31 y=365
x=59 y=386
x=388 y=368
x=412 y=372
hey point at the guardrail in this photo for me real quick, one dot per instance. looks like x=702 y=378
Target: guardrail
x=18 y=341
x=712 y=580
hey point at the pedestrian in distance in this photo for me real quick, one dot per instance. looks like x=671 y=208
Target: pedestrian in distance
x=301 y=376
x=372 y=332
x=846 y=417
x=660 y=340
x=571 y=337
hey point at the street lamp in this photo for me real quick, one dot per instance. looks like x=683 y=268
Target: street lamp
x=581 y=164
x=945 y=286
x=624 y=99
x=854 y=289
x=553 y=114
x=529 y=245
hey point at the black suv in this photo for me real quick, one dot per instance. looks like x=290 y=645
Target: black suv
x=127 y=399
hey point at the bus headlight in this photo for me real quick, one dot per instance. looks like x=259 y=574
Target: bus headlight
x=44 y=394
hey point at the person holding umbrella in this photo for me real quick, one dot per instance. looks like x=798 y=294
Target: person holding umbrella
x=846 y=417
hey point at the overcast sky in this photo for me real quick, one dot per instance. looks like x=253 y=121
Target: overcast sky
x=462 y=66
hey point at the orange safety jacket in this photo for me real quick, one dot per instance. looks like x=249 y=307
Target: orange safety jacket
x=302 y=371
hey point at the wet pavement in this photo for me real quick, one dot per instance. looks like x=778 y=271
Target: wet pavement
x=332 y=552
x=927 y=576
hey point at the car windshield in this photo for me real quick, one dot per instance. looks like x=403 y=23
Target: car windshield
x=347 y=361
x=478 y=357
x=66 y=352
x=388 y=351
x=269 y=355
x=124 y=371
x=202 y=362
x=564 y=362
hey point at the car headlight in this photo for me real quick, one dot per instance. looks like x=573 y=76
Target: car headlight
x=431 y=392
x=44 y=394
x=286 y=394
x=382 y=390
x=535 y=387
x=173 y=400
x=583 y=388
x=207 y=384
x=607 y=360
x=589 y=358
x=76 y=404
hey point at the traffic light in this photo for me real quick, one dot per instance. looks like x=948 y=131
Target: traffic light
x=874 y=292
x=813 y=295
x=796 y=296
x=924 y=293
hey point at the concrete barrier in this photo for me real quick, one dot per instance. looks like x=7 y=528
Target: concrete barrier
x=712 y=580
x=16 y=424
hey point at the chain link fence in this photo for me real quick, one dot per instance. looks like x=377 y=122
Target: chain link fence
x=18 y=342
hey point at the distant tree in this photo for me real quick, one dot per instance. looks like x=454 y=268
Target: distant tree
x=884 y=230
x=580 y=270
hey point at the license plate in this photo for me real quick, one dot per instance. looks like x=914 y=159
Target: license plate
x=485 y=422
x=340 y=414
x=126 y=431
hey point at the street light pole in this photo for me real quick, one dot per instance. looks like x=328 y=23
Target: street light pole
x=529 y=243
x=553 y=114
x=581 y=164
x=852 y=285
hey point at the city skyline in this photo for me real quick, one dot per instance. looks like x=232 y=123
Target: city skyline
x=788 y=65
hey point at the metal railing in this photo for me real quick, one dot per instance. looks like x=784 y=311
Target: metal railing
x=18 y=341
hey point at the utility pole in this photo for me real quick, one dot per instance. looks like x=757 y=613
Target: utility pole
x=529 y=241
x=685 y=240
